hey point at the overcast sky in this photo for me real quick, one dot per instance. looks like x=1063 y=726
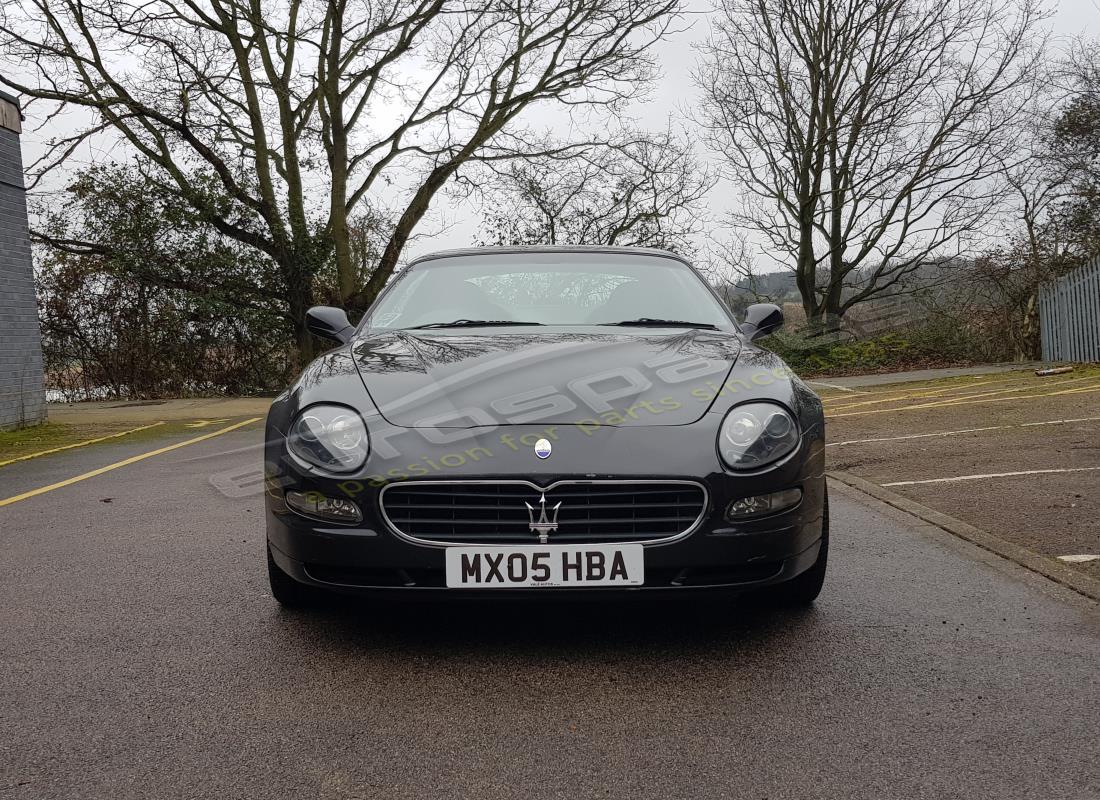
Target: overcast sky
x=457 y=226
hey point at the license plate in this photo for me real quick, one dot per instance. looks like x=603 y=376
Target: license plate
x=547 y=565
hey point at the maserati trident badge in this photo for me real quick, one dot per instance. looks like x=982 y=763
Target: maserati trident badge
x=543 y=448
x=544 y=525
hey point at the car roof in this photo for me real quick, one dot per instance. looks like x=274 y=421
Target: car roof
x=545 y=248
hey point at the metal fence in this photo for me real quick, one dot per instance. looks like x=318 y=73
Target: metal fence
x=1069 y=315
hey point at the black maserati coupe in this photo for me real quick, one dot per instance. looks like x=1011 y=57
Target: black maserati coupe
x=546 y=419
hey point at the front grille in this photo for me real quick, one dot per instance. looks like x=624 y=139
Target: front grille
x=496 y=512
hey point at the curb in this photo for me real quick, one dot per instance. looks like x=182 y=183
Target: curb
x=1043 y=565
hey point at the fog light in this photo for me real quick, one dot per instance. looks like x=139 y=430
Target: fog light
x=315 y=504
x=761 y=504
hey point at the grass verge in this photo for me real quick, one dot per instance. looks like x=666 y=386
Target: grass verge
x=21 y=445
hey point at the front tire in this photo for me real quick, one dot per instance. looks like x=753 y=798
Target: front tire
x=803 y=589
x=288 y=592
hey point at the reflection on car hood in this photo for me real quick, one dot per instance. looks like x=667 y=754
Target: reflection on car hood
x=450 y=378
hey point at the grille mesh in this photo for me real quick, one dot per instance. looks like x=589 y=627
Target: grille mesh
x=491 y=513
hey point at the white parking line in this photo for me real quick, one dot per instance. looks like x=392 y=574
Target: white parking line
x=1059 y=421
x=916 y=436
x=987 y=475
x=835 y=386
x=961 y=430
x=1079 y=559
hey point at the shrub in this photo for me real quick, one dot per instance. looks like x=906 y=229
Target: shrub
x=931 y=343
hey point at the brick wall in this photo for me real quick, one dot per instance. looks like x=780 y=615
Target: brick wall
x=22 y=397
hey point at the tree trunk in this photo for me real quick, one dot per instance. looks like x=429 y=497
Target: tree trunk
x=832 y=304
x=805 y=275
x=1029 y=347
x=299 y=298
x=338 y=159
x=416 y=209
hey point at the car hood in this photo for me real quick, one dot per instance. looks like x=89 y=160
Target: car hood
x=461 y=379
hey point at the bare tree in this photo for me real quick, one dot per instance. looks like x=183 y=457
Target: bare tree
x=640 y=190
x=869 y=136
x=1056 y=224
x=306 y=111
x=729 y=263
x=1074 y=154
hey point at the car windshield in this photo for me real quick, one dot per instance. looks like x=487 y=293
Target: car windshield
x=549 y=289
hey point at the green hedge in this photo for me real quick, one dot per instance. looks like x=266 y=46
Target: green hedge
x=927 y=345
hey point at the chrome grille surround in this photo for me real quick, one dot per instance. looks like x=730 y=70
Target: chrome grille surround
x=512 y=494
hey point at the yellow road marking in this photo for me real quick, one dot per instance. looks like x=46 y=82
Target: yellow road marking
x=966 y=400
x=943 y=401
x=911 y=396
x=923 y=387
x=78 y=444
x=954 y=400
x=952 y=404
x=126 y=462
x=1027 y=388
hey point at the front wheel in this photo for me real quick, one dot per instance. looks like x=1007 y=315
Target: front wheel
x=803 y=589
x=287 y=591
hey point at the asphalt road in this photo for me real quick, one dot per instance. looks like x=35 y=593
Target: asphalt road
x=141 y=656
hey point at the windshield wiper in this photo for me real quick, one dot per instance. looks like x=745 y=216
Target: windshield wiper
x=472 y=323
x=650 y=322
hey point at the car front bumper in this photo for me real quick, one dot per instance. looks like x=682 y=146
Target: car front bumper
x=717 y=552
x=371 y=556
x=665 y=571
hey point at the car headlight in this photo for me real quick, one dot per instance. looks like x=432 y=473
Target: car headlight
x=754 y=435
x=330 y=437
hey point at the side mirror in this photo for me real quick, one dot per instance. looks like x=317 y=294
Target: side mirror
x=762 y=319
x=329 y=323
